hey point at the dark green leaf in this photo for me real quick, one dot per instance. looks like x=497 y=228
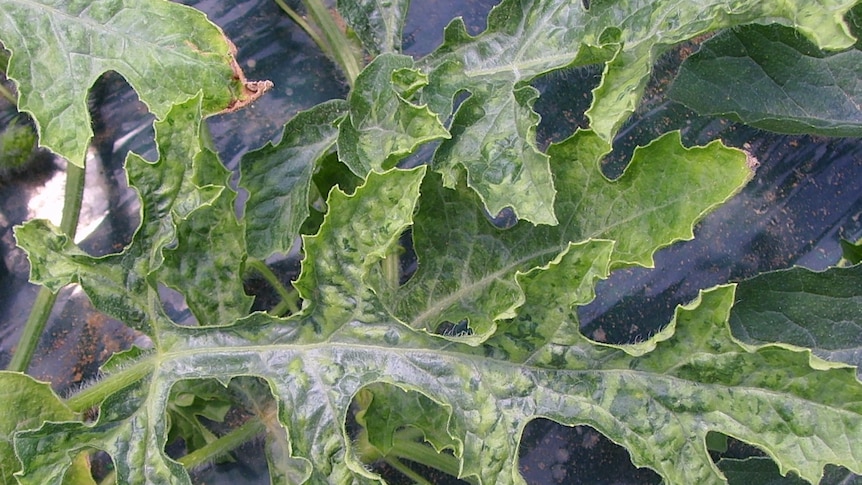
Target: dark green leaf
x=851 y=252
x=821 y=311
x=759 y=470
x=772 y=78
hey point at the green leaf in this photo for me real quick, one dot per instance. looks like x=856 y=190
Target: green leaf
x=358 y=232
x=494 y=140
x=659 y=398
x=383 y=126
x=274 y=212
x=467 y=270
x=771 y=78
x=527 y=39
x=185 y=178
x=27 y=403
x=192 y=399
x=852 y=252
x=821 y=311
x=211 y=281
x=377 y=23
x=390 y=409
x=131 y=427
x=167 y=52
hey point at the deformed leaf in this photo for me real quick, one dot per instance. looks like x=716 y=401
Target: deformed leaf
x=377 y=23
x=771 y=78
x=383 y=126
x=689 y=379
x=358 y=231
x=467 y=269
x=181 y=181
x=27 y=403
x=494 y=139
x=131 y=427
x=527 y=39
x=821 y=311
x=278 y=179
x=659 y=398
x=166 y=51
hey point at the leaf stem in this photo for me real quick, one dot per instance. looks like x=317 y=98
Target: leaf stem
x=426 y=455
x=326 y=33
x=222 y=445
x=95 y=394
x=392 y=270
x=406 y=470
x=308 y=28
x=7 y=94
x=45 y=299
x=289 y=298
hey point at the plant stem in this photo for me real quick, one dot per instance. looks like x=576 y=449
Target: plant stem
x=7 y=94
x=392 y=270
x=425 y=455
x=95 y=394
x=290 y=299
x=238 y=436
x=308 y=28
x=337 y=39
x=44 y=303
x=407 y=471
x=324 y=31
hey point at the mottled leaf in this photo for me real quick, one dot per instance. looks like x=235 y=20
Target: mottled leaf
x=26 y=404
x=358 y=232
x=377 y=23
x=166 y=51
x=181 y=181
x=526 y=39
x=383 y=125
x=278 y=179
x=467 y=266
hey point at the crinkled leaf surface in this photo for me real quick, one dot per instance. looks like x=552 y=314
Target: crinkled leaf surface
x=527 y=358
x=821 y=311
x=278 y=179
x=211 y=281
x=184 y=180
x=467 y=266
x=377 y=23
x=526 y=39
x=658 y=399
x=769 y=77
x=166 y=51
x=26 y=404
x=383 y=126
